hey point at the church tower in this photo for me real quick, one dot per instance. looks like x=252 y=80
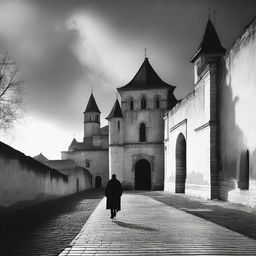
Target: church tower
x=136 y=150
x=91 y=118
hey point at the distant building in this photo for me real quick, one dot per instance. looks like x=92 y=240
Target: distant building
x=92 y=152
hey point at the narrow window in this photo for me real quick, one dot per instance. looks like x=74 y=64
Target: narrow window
x=157 y=102
x=142 y=133
x=87 y=163
x=143 y=103
x=131 y=104
x=118 y=125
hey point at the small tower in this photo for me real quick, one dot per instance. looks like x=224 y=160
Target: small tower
x=209 y=51
x=116 y=150
x=206 y=70
x=91 y=118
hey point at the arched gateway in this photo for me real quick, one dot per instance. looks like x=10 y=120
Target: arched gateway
x=181 y=164
x=142 y=175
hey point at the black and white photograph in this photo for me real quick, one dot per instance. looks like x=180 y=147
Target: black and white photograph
x=127 y=127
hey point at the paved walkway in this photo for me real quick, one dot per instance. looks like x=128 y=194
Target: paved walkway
x=149 y=227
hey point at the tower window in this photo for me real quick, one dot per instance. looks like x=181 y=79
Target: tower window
x=118 y=125
x=157 y=103
x=131 y=104
x=87 y=163
x=143 y=103
x=142 y=132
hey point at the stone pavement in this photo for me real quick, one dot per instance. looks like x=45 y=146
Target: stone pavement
x=148 y=227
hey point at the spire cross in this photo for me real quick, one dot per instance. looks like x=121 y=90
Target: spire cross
x=209 y=13
x=145 y=50
x=92 y=89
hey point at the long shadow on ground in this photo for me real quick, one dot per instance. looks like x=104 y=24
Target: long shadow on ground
x=46 y=229
x=234 y=217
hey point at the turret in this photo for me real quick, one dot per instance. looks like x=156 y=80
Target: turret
x=209 y=51
x=115 y=119
x=91 y=118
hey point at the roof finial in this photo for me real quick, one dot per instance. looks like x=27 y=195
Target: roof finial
x=209 y=13
x=214 y=17
x=92 y=89
x=145 y=52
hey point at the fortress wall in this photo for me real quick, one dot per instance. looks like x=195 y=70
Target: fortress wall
x=25 y=181
x=237 y=122
x=190 y=117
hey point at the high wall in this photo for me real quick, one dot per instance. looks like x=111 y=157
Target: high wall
x=79 y=178
x=25 y=181
x=189 y=135
x=237 y=108
x=97 y=160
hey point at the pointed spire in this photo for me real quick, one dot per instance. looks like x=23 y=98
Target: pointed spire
x=116 y=111
x=92 y=105
x=210 y=43
x=74 y=142
x=146 y=78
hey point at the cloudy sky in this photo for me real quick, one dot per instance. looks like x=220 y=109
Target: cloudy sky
x=66 y=47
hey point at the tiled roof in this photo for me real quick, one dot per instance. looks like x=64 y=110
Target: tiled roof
x=210 y=42
x=92 y=105
x=146 y=78
x=116 y=111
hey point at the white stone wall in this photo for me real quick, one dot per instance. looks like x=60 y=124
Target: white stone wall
x=191 y=117
x=98 y=161
x=24 y=181
x=237 y=108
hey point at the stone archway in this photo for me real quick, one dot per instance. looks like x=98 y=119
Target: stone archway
x=181 y=164
x=98 y=182
x=142 y=175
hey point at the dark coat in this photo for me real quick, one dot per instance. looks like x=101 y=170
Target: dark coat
x=113 y=193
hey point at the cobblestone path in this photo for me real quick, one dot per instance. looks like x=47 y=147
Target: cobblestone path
x=148 y=227
x=235 y=217
x=47 y=228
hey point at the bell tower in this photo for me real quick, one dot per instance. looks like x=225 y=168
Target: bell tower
x=91 y=118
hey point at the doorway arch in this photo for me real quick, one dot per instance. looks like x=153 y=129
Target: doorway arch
x=142 y=175
x=181 y=164
x=98 y=182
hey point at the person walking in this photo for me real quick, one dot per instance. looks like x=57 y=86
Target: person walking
x=113 y=193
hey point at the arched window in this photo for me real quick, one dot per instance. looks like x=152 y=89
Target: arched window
x=157 y=102
x=87 y=163
x=142 y=132
x=118 y=126
x=131 y=104
x=143 y=103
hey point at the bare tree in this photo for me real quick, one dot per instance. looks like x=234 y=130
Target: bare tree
x=10 y=92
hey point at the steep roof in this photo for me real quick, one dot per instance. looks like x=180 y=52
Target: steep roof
x=116 y=111
x=146 y=78
x=40 y=158
x=92 y=105
x=210 y=42
x=74 y=142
